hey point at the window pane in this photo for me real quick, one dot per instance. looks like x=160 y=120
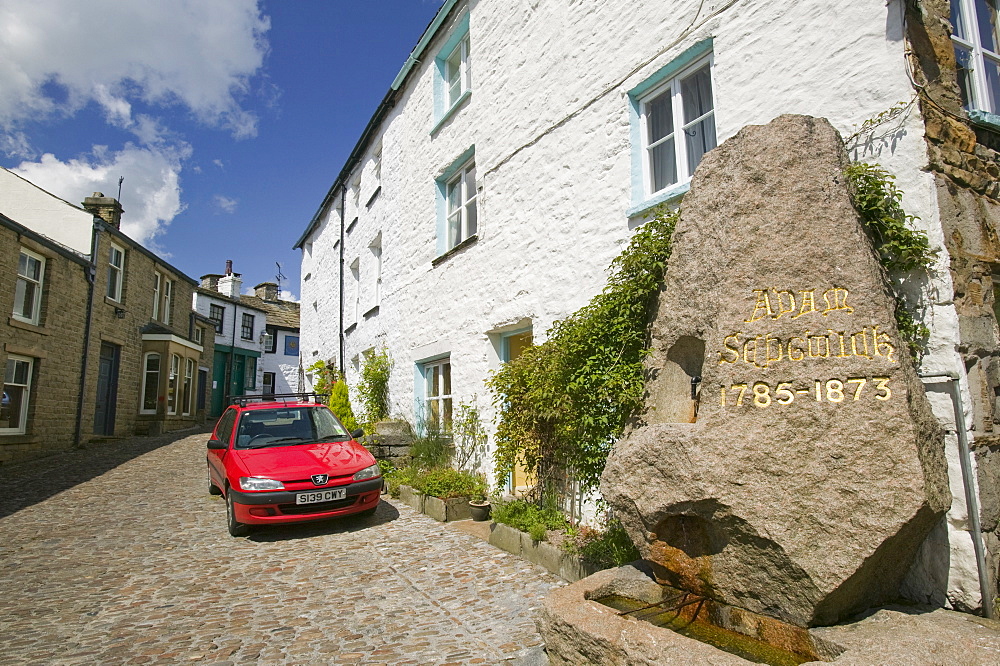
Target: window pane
x=700 y=139
x=29 y=267
x=17 y=372
x=151 y=383
x=663 y=165
x=455 y=229
x=958 y=20
x=992 y=95
x=24 y=299
x=986 y=18
x=659 y=117
x=963 y=59
x=446 y=381
x=435 y=381
x=446 y=414
x=470 y=218
x=10 y=412
x=696 y=90
x=433 y=413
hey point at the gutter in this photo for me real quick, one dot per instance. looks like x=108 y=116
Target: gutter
x=971 y=500
x=91 y=273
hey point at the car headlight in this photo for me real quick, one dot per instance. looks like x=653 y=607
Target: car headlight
x=258 y=483
x=368 y=473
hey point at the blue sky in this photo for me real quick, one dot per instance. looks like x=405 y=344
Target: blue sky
x=229 y=119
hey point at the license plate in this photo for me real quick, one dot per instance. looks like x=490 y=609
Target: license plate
x=321 y=496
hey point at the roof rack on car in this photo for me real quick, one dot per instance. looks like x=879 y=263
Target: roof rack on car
x=243 y=400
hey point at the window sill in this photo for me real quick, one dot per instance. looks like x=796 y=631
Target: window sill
x=34 y=328
x=371 y=313
x=373 y=197
x=668 y=195
x=451 y=111
x=19 y=438
x=110 y=301
x=985 y=119
x=471 y=240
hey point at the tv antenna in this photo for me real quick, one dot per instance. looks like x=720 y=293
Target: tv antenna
x=279 y=277
x=120 y=180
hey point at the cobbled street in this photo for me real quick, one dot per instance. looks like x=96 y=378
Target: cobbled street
x=117 y=554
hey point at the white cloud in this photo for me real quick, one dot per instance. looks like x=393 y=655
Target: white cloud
x=225 y=204
x=150 y=192
x=193 y=53
x=286 y=295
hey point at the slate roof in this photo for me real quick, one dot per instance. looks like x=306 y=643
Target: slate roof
x=279 y=313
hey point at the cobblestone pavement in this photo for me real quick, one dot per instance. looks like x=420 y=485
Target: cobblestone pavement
x=117 y=554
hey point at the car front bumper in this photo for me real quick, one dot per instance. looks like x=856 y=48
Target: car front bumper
x=278 y=506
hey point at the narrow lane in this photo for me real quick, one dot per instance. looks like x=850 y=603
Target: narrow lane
x=118 y=555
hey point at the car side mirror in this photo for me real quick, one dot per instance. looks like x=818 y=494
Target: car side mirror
x=358 y=434
x=216 y=444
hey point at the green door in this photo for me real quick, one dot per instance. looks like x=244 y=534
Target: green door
x=238 y=381
x=218 y=384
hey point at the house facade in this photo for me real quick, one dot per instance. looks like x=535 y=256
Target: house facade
x=239 y=329
x=515 y=153
x=281 y=366
x=100 y=343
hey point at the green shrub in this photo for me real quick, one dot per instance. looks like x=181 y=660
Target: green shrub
x=399 y=476
x=609 y=548
x=373 y=390
x=340 y=404
x=448 y=483
x=524 y=516
x=537 y=532
x=431 y=450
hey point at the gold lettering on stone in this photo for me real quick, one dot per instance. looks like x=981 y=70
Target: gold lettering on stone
x=761 y=306
x=840 y=339
x=782 y=310
x=768 y=358
x=801 y=350
x=814 y=351
x=863 y=351
x=735 y=351
x=808 y=302
x=839 y=301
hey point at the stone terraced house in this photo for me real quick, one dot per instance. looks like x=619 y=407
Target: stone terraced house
x=516 y=151
x=100 y=340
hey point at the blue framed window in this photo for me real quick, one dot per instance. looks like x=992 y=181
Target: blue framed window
x=458 y=215
x=453 y=72
x=433 y=395
x=672 y=118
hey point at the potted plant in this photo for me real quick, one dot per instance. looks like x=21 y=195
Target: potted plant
x=479 y=506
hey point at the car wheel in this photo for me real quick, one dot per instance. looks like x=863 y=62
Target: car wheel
x=236 y=528
x=212 y=488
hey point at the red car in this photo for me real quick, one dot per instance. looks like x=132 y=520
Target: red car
x=288 y=459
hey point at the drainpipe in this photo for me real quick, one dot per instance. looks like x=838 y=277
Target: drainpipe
x=91 y=273
x=343 y=342
x=971 y=501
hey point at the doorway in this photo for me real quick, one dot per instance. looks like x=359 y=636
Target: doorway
x=107 y=389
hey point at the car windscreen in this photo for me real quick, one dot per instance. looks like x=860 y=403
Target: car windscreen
x=288 y=426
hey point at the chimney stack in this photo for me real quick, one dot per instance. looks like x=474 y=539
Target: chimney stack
x=106 y=208
x=230 y=284
x=266 y=291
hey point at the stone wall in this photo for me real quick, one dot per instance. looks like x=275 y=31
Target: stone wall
x=56 y=345
x=964 y=160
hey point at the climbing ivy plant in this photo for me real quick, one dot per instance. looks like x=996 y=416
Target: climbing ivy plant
x=329 y=381
x=564 y=402
x=901 y=247
x=373 y=390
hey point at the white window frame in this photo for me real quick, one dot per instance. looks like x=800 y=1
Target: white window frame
x=22 y=427
x=173 y=382
x=167 y=299
x=116 y=272
x=679 y=135
x=188 y=392
x=983 y=94
x=34 y=317
x=265 y=385
x=460 y=226
x=355 y=311
x=432 y=370
x=199 y=334
x=145 y=382
x=157 y=280
x=457 y=72
x=376 y=250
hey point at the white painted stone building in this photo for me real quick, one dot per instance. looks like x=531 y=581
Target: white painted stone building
x=517 y=149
